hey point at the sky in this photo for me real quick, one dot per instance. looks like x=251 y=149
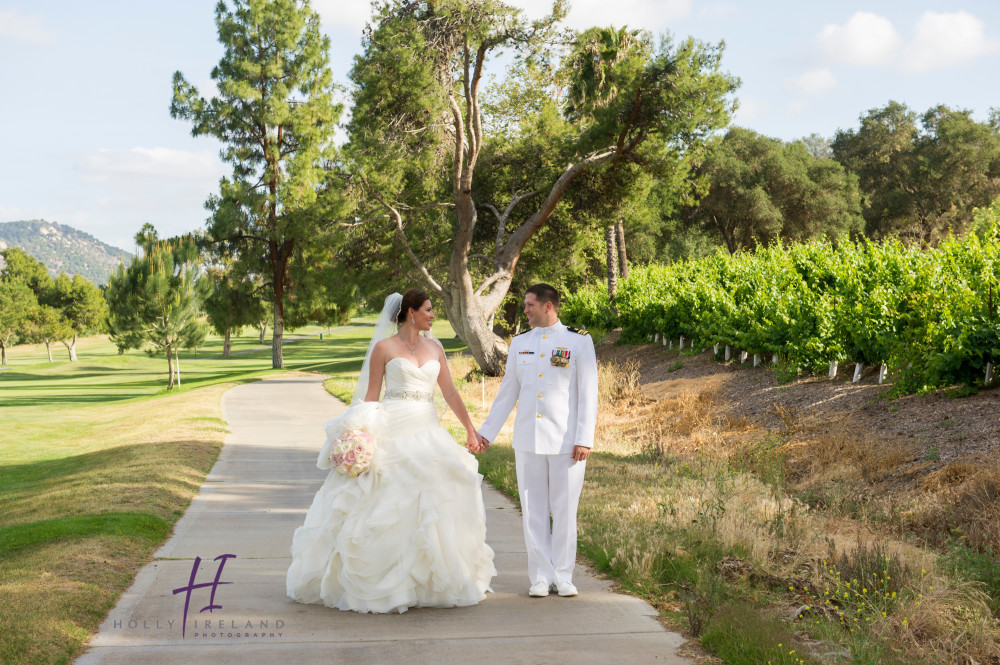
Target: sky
x=85 y=87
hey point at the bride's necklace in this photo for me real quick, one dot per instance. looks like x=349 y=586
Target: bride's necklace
x=413 y=349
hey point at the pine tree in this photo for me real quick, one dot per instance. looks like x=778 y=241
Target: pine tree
x=156 y=301
x=276 y=116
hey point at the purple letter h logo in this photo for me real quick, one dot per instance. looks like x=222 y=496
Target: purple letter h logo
x=192 y=586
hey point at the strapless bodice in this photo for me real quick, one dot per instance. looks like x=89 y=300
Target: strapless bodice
x=402 y=375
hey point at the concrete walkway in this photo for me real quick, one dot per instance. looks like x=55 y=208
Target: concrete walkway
x=252 y=501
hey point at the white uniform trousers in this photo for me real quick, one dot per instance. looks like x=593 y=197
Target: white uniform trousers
x=549 y=485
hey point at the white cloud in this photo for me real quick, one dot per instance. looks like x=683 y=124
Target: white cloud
x=721 y=11
x=26 y=28
x=121 y=189
x=813 y=82
x=163 y=163
x=649 y=14
x=945 y=40
x=866 y=39
x=350 y=14
x=797 y=107
x=750 y=110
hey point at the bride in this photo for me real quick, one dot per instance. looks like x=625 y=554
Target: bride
x=409 y=531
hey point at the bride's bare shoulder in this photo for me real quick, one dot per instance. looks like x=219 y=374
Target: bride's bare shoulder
x=381 y=348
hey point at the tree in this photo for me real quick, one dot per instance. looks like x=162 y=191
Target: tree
x=760 y=188
x=156 y=301
x=19 y=266
x=818 y=146
x=920 y=180
x=417 y=136
x=275 y=115
x=82 y=305
x=67 y=307
x=17 y=304
x=232 y=304
x=46 y=325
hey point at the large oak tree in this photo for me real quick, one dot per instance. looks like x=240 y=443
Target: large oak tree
x=761 y=188
x=417 y=134
x=921 y=176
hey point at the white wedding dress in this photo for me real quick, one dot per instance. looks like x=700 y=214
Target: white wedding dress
x=408 y=532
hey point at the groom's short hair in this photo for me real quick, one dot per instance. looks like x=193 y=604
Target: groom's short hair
x=544 y=293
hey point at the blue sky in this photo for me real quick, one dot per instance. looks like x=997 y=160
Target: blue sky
x=86 y=86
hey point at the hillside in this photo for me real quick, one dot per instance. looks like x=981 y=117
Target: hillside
x=63 y=248
x=922 y=464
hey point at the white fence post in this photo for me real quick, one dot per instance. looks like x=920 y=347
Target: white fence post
x=857 y=373
x=756 y=359
x=728 y=353
x=833 y=369
x=881 y=373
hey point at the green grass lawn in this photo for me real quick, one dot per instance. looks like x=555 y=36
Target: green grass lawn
x=97 y=462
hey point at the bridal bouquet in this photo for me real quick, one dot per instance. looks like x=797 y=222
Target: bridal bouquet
x=352 y=452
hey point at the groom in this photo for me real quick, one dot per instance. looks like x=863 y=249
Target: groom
x=552 y=376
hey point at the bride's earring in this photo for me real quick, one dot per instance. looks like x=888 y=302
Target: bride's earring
x=412 y=322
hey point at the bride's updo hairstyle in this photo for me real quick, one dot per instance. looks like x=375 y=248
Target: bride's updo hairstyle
x=412 y=299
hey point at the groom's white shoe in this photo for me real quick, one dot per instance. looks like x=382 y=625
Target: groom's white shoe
x=565 y=589
x=539 y=590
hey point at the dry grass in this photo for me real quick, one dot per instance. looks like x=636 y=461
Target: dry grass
x=961 y=497
x=684 y=484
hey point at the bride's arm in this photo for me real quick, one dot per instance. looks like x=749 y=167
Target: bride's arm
x=376 y=370
x=454 y=400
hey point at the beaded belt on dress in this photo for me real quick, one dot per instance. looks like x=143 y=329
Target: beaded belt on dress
x=409 y=395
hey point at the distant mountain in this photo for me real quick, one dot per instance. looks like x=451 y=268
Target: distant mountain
x=63 y=248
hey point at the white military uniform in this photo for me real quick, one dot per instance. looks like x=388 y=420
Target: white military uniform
x=556 y=410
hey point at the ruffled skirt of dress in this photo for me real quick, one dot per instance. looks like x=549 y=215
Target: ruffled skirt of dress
x=408 y=532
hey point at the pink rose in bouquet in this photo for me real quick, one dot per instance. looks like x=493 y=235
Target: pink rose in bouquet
x=352 y=452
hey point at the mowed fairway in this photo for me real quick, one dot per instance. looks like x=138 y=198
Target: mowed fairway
x=97 y=462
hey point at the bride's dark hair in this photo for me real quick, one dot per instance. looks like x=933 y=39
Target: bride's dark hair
x=412 y=299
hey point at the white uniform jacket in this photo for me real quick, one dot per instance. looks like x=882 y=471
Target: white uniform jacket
x=556 y=406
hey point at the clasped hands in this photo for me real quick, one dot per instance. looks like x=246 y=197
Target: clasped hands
x=477 y=443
